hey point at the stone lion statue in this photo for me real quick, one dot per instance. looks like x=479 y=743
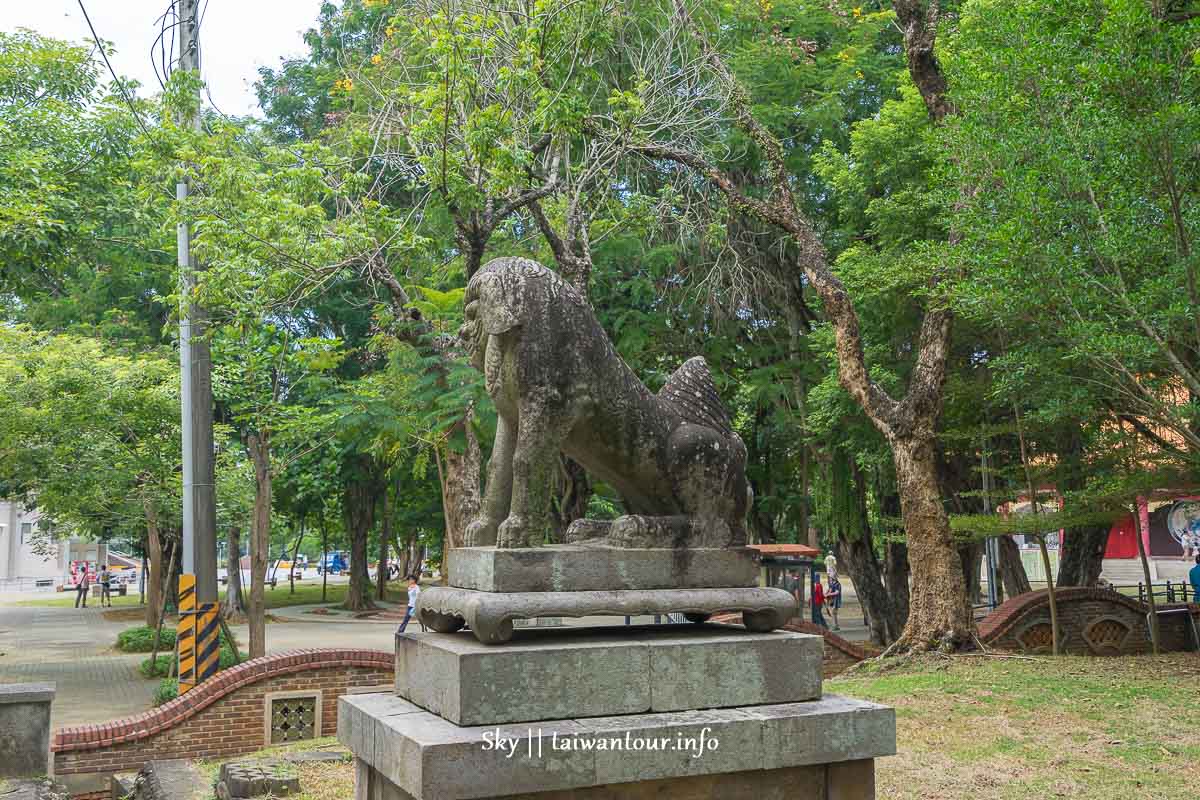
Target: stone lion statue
x=559 y=385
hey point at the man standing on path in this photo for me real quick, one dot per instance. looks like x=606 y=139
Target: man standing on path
x=81 y=587
x=1194 y=577
x=103 y=580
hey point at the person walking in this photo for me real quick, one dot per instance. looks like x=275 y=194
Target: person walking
x=1194 y=577
x=792 y=585
x=833 y=598
x=414 y=591
x=82 y=586
x=818 y=601
x=103 y=579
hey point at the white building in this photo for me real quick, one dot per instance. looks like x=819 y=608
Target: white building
x=31 y=561
x=21 y=563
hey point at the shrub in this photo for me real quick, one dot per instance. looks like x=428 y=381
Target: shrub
x=168 y=690
x=162 y=667
x=141 y=639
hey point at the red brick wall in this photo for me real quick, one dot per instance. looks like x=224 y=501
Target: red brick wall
x=1009 y=626
x=225 y=716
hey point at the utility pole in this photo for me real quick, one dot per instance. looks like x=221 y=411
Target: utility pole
x=199 y=497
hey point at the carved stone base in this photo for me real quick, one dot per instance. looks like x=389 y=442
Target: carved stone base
x=490 y=615
x=584 y=567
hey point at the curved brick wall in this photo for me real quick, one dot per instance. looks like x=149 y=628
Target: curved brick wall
x=224 y=716
x=1092 y=621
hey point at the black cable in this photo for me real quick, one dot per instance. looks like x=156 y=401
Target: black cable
x=111 y=71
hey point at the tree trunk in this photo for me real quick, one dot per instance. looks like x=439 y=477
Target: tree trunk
x=233 y=606
x=174 y=567
x=1012 y=569
x=896 y=579
x=572 y=494
x=856 y=549
x=358 y=505
x=153 y=581
x=260 y=541
x=324 y=560
x=1081 y=555
x=971 y=555
x=1055 y=638
x=295 y=555
x=460 y=478
x=858 y=558
x=385 y=536
x=939 y=614
x=462 y=484
x=1137 y=528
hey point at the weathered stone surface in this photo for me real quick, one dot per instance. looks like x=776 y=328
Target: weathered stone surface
x=171 y=779
x=794 y=783
x=559 y=386
x=582 y=672
x=430 y=758
x=319 y=757
x=43 y=789
x=490 y=614
x=25 y=729
x=259 y=778
x=852 y=780
x=578 y=568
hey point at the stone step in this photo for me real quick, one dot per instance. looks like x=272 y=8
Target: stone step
x=552 y=673
x=404 y=751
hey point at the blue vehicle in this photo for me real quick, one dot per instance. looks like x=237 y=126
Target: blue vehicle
x=334 y=563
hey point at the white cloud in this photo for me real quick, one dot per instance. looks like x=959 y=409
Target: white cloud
x=237 y=37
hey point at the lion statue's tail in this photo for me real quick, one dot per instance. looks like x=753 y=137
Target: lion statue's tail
x=691 y=391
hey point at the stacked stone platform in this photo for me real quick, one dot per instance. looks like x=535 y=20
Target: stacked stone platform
x=695 y=712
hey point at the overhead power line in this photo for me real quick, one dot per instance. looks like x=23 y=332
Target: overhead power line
x=120 y=86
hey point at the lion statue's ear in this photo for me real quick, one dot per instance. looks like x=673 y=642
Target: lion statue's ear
x=499 y=310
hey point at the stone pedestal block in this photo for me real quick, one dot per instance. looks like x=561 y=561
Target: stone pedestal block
x=851 y=780
x=582 y=568
x=25 y=730
x=582 y=672
x=407 y=752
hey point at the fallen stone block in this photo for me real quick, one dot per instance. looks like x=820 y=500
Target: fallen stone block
x=244 y=779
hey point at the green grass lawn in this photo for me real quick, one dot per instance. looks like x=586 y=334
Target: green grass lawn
x=999 y=728
x=307 y=593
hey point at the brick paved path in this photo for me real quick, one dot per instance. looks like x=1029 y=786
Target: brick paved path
x=74 y=649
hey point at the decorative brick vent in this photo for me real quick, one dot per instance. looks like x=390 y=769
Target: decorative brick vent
x=1107 y=636
x=294 y=719
x=1037 y=638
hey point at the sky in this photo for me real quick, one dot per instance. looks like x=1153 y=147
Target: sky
x=236 y=37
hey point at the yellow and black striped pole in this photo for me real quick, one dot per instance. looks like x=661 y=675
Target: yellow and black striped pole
x=185 y=632
x=208 y=641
